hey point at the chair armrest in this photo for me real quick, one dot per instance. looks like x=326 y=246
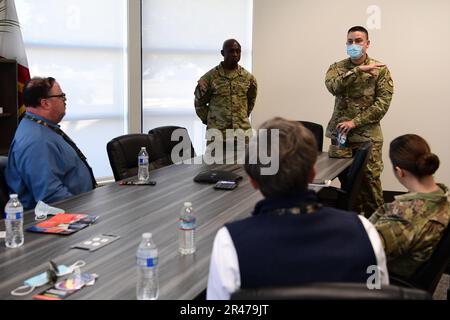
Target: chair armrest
x=398 y=281
x=330 y=193
x=337 y=190
x=333 y=197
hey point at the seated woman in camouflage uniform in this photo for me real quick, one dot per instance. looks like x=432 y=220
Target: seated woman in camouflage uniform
x=412 y=225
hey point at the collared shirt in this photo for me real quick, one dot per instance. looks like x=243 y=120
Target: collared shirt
x=43 y=166
x=227 y=99
x=411 y=227
x=224 y=273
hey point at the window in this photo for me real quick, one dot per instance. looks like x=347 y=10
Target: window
x=181 y=41
x=83 y=45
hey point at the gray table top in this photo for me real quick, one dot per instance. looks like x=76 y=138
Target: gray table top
x=129 y=211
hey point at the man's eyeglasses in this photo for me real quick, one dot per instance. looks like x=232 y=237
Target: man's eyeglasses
x=62 y=96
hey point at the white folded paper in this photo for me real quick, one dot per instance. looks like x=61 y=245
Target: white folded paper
x=317 y=186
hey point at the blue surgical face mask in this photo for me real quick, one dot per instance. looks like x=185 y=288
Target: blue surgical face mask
x=43 y=278
x=354 y=51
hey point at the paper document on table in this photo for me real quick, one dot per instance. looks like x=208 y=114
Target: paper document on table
x=318 y=186
x=326 y=183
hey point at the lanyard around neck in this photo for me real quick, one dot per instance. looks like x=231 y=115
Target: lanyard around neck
x=66 y=138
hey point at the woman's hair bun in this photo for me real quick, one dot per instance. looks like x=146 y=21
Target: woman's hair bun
x=427 y=164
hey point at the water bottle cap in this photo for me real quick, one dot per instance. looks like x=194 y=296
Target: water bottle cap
x=144 y=148
x=13 y=196
x=146 y=235
x=188 y=204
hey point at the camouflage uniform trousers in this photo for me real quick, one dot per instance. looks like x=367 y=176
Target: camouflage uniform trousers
x=237 y=149
x=370 y=196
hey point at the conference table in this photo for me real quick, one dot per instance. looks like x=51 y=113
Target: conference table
x=128 y=212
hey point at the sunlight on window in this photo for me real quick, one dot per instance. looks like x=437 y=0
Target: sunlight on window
x=83 y=45
x=181 y=41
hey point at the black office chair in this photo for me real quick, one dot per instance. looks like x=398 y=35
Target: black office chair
x=427 y=276
x=4 y=193
x=164 y=144
x=317 y=130
x=331 y=291
x=123 y=154
x=351 y=179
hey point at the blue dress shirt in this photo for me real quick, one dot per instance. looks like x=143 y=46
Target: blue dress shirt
x=43 y=166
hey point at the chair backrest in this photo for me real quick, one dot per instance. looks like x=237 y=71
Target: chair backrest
x=332 y=291
x=123 y=152
x=352 y=179
x=164 y=144
x=4 y=194
x=317 y=130
x=427 y=276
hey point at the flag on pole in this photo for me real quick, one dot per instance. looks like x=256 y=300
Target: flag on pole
x=12 y=47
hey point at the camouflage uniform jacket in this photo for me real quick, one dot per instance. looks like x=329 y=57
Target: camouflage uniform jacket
x=360 y=97
x=410 y=228
x=227 y=100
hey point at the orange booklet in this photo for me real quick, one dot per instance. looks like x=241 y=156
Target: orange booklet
x=64 y=223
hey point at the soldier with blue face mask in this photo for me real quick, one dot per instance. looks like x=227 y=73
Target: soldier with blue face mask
x=363 y=90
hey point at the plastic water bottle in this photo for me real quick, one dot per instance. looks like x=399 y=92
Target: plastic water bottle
x=147 y=287
x=143 y=165
x=342 y=139
x=186 y=229
x=14 y=222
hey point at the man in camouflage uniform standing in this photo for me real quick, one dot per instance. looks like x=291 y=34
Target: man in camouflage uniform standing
x=363 y=89
x=225 y=95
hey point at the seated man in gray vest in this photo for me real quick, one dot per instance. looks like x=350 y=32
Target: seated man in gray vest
x=291 y=239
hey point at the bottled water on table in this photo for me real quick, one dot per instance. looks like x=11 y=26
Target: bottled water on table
x=342 y=139
x=147 y=287
x=14 y=222
x=186 y=229
x=143 y=165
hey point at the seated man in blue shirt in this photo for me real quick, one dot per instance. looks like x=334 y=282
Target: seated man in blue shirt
x=43 y=163
x=291 y=239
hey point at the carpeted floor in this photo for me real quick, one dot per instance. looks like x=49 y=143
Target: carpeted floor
x=441 y=290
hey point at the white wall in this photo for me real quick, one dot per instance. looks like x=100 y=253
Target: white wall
x=295 y=41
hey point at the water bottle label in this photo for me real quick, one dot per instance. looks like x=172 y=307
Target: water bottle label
x=149 y=262
x=13 y=215
x=342 y=139
x=187 y=224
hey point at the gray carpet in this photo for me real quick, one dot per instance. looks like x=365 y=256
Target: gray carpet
x=441 y=290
